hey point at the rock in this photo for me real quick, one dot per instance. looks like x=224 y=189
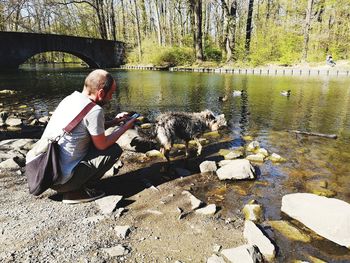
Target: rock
x=276 y=158
x=9 y=164
x=44 y=119
x=125 y=140
x=146 y=125
x=213 y=134
x=3 y=116
x=253 y=146
x=116 y=251
x=216 y=248
x=202 y=141
x=253 y=212
x=243 y=254
x=11 y=121
x=289 y=231
x=256 y=157
x=33 y=122
x=328 y=217
x=179 y=146
x=208 y=210
x=231 y=154
x=256 y=237
x=108 y=204
x=215 y=259
x=7 y=91
x=236 y=169
x=207 y=167
x=195 y=202
x=122 y=231
x=154 y=153
x=263 y=152
x=247 y=138
x=223 y=162
x=182 y=172
x=319 y=188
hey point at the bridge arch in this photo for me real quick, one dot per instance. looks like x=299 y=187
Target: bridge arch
x=16 y=48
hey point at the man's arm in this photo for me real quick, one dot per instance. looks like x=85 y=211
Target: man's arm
x=119 y=118
x=102 y=141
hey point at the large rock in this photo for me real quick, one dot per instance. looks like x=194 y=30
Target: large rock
x=9 y=164
x=195 y=202
x=236 y=169
x=256 y=237
x=253 y=211
x=208 y=210
x=328 y=217
x=208 y=166
x=13 y=121
x=243 y=254
x=109 y=203
x=116 y=251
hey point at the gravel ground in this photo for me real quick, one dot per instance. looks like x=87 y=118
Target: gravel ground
x=42 y=229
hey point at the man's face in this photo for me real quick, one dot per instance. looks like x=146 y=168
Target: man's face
x=106 y=97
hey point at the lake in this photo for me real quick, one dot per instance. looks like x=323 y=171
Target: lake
x=316 y=104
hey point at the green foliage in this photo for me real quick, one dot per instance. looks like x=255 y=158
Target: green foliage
x=162 y=56
x=290 y=48
x=211 y=51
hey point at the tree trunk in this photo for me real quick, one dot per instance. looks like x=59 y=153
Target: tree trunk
x=144 y=18
x=196 y=19
x=138 y=30
x=249 y=26
x=307 y=29
x=230 y=28
x=112 y=24
x=159 y=31
x=125 y=37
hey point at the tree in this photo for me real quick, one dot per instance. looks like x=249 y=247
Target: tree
x=249 y=26
x=307 y=28
x=196 y=13
x=230 y=11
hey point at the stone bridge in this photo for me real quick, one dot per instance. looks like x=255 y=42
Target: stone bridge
x=16 y=48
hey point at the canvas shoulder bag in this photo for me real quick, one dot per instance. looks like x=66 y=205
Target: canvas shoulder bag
x=44 y=169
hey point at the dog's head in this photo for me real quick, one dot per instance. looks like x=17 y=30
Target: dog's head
x=214 y=122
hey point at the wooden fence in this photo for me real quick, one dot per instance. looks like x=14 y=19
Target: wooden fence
x=279 y=71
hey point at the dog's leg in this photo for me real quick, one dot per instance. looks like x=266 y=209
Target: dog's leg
x=186 y=148
x=199 y=145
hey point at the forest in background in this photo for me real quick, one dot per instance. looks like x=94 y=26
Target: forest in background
x=194 y=32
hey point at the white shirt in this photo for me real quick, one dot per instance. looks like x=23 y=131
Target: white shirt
x=74 y=146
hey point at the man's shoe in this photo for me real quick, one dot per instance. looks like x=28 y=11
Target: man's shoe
x=82 y=196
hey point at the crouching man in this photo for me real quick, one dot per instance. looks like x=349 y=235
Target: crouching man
x=87 y=152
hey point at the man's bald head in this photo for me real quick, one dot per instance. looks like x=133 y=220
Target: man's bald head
x=96 y=80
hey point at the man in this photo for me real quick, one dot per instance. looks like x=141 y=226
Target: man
x=87 y=152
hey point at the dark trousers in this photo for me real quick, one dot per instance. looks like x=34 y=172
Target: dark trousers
x=90 y=170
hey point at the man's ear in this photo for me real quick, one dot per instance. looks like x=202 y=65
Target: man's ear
x=101 y=94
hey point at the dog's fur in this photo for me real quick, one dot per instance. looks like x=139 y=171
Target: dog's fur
x=185 y=126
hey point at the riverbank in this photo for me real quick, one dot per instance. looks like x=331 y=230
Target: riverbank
x=153 y=216
x=314 y=69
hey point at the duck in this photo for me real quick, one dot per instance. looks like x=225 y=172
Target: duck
x=286 y=93
x=237 y=93
x=224 y=98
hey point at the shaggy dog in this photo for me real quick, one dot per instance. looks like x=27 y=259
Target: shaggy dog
x=184 y=126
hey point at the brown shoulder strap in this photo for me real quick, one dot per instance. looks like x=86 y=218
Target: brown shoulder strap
x=79 y=117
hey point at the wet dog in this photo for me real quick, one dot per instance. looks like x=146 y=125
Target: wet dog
x=185 y=126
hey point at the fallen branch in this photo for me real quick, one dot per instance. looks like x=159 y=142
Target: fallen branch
x=331 y=136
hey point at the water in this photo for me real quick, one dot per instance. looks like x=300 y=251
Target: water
x=316 y=104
